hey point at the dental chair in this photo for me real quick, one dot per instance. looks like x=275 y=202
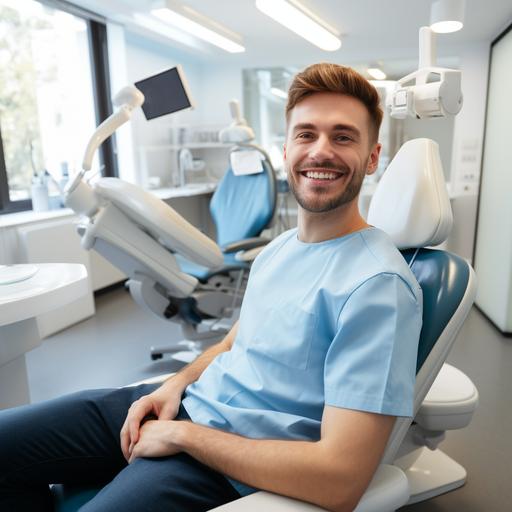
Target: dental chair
x=411 y=204
x=175 y=271
x=241 y=208
x=242 y=205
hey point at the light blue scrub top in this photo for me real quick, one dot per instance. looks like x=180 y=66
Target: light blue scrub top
x=331 y=323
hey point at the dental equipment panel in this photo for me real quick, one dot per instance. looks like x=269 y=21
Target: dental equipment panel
x=430 y=91
x=165 y=93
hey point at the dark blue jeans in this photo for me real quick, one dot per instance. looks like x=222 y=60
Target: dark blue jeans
x=75 y=440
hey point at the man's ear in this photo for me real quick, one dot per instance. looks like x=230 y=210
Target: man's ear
x=373 y=159
x=284 y=152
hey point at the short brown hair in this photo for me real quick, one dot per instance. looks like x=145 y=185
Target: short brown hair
x=328 y=77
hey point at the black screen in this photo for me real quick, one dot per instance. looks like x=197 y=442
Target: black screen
x=164 y=93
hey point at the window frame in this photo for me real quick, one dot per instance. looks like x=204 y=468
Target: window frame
x=98 y=52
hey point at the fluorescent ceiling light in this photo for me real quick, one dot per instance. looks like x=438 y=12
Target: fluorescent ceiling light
x=279 y=93
x=376 y=73
x=304 y=23
x=447 y=16
x=198 y=25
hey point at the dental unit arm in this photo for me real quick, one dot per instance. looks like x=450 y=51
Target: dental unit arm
x=430 y=91
x=139 y=234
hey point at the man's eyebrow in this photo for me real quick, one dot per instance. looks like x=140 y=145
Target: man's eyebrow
x=304 y=126
x=337 y=128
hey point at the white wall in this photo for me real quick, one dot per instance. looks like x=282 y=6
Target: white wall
x=469 y=124
x=151 y=140
x=211 y=86
x=468 y=134
x=219 y=85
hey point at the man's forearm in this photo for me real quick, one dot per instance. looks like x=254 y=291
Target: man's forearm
x=300 y=469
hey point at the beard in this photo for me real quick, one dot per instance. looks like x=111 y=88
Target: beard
x=320 y=203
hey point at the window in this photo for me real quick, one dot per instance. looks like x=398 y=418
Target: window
x=53 y=92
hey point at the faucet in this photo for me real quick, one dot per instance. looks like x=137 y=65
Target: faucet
x=185 y=163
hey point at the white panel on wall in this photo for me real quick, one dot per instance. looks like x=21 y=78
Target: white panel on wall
x=56 y=242
x=493 y=253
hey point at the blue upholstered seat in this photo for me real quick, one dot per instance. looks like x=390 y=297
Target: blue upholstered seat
x=241 y=208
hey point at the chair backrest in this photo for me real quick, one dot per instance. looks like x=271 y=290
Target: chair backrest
x=411 y=204
x=243 y=206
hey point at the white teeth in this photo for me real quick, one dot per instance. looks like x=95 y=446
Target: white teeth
x=321 y=175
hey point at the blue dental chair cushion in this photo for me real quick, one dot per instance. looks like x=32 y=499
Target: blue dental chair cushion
x=204 y=273
x=443 y=278
x=242 y=206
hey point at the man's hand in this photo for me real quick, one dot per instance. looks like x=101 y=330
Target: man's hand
x=157 y=439
x=163 y=404
x=165 y=401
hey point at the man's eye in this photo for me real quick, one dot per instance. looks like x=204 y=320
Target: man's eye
x=304 y=135
x=342 y=138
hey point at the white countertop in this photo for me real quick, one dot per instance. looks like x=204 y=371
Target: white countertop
x=29 y=216
x=53 y=285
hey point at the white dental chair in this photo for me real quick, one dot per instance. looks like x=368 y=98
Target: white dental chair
x=175 y=271
x=411 y=204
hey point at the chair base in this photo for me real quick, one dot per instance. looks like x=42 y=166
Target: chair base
x=433 y=473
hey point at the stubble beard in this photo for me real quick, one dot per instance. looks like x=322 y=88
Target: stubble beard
x=320 y=204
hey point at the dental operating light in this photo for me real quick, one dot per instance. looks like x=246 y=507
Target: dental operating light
x=303 y=22
x=447 y=16
x=430 y=91
x=188 y=20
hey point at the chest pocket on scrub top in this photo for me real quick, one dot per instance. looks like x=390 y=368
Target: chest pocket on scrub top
x=286 y=335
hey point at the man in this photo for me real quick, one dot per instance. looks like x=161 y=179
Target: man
x=300 y=397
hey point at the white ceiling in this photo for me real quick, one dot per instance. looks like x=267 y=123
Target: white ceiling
x=372 y=30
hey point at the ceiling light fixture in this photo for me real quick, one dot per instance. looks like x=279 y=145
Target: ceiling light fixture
x=303 y=22
x=447 y=16
x=376 y=73
x=200 y=26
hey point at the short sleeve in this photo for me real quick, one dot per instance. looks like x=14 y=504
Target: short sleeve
x=371 y=363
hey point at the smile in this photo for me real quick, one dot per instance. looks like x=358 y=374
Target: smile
x=322 y=175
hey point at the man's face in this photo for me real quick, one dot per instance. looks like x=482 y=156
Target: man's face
x=328 y=150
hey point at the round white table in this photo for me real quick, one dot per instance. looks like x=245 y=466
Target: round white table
x=27 y=291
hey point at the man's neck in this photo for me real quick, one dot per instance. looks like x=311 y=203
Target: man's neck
x=319 y=227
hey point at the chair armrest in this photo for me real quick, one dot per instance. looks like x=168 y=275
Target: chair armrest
x=245 y=244
x=248 y=256
x=388 y=490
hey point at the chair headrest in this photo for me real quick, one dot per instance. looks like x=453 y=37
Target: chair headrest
x=411 y=202
x=236 y=133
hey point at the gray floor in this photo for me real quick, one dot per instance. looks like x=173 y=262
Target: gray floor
x=112 y=349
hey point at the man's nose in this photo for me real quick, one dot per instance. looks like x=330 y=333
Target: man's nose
x=321 y=149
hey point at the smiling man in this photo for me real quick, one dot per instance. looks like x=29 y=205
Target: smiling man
x=300 y=397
